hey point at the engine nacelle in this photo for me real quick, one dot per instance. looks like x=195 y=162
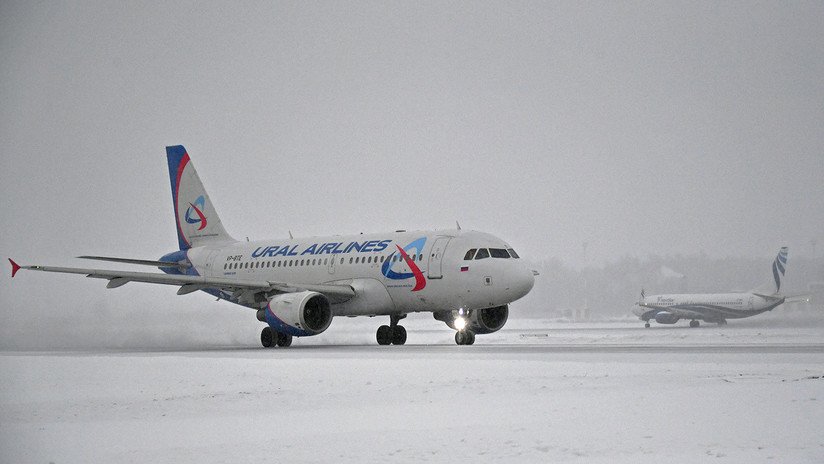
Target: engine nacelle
x=300 y=314
x=666 y=318
x=479 y=321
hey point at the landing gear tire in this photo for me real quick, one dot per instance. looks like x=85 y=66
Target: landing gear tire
x=399 y=335
x=464 y=337
x=392 y=334
x=694 y=323
x=284 y=340
x=384 y=335
x=267 y=337
x=646 y=325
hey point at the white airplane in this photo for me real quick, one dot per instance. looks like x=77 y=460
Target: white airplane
x=296 y=286
x=713 y=307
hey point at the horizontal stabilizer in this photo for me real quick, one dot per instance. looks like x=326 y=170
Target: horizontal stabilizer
x=769 y=297
x=142 y=262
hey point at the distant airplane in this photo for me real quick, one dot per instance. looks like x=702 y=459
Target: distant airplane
x=465 y=278
x=713 y=307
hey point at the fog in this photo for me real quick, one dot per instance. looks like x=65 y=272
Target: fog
x=604 y=141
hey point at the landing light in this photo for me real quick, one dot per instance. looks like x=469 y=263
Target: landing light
x=460 y=323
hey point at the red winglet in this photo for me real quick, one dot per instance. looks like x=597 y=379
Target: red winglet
x=14 y=267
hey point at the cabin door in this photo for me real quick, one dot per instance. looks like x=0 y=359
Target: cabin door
x=436 y=257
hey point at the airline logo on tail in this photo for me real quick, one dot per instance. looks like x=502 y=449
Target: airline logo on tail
x=197 y=207
x=778 y=267
x=420 y=280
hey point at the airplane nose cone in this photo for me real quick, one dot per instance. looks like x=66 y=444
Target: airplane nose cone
x=524 y=282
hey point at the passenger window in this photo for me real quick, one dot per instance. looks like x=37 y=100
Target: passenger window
x=470 y=254
x=512 y=253
x=499 y=253
x=483 y=253
x=350 y=260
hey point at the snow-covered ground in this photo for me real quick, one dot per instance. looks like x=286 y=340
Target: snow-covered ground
x=535 y=392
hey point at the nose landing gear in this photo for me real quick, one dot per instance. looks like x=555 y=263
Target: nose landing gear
x=464 y=337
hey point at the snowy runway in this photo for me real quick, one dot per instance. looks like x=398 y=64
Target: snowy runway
x=588 y=393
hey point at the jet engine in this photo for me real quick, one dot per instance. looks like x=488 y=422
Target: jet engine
x=479 y=321
x=666 y=318
x=299 y=314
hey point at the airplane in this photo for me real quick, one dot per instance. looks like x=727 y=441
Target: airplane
x=466 y=279
x=714 y=307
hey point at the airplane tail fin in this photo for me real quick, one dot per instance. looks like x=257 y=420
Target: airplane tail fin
x=779 y=266
x=196 y=220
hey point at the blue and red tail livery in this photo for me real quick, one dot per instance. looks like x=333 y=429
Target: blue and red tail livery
x=195 y=217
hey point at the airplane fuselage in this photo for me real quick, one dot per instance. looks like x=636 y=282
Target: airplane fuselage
x=391 y=273
x=710 y=307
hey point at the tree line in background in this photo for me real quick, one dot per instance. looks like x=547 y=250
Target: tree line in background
x=608 y=292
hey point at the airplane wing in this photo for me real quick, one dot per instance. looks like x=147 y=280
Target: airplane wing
x=240 y=288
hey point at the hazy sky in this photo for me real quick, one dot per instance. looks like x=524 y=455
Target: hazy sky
x=635 y=127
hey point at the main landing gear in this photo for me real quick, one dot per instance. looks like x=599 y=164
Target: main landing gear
x=464 y=337
x=392 y=334
x=270 y=338
x=694 y=323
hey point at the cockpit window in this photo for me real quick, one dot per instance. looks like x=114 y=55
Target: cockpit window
x=499 y=253
x=470 y=254
x=512 y=253
x=482 y=253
